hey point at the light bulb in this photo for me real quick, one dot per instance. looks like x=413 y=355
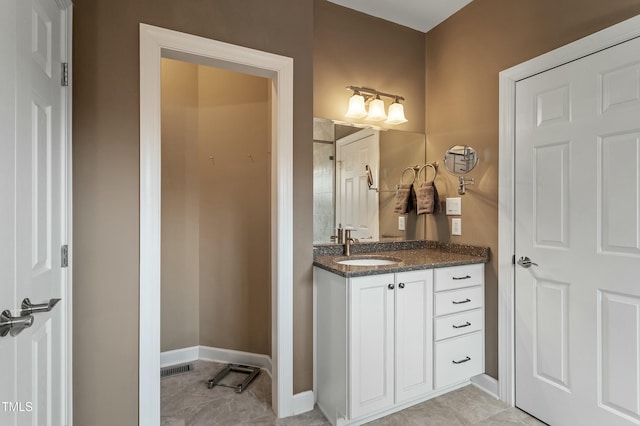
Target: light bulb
x=396 y=114
x=356 y=107
x=376 y=110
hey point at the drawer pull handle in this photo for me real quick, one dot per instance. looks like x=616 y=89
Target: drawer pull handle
x=463 y=325
x=462 y=301
x=462 y=360
x=466 y=277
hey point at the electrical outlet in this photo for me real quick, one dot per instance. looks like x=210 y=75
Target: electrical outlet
x=456 y=226
x=401 y=223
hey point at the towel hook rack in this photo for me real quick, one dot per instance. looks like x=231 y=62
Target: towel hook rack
x=434 y=166
x=412 y=176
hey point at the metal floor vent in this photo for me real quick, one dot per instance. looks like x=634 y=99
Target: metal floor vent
x=175 y=369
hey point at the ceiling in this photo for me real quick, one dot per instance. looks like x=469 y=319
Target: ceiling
x=421 y=15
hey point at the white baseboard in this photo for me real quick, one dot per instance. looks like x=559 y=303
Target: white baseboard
x=207 y=353
x=179 y=356
x=488 y=384
x=303 y=402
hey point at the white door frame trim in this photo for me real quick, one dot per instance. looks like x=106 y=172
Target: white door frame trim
x=66 y=10
x=606 y=38
x=156 y=43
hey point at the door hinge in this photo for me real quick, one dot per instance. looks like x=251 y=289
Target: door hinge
x=513 y=259
x=64 y=258
x=64 y=79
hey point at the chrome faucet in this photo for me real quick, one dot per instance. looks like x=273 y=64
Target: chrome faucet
x=347 y=242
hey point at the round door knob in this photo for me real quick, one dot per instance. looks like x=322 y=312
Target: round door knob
x=401 y=285
x=391 y=286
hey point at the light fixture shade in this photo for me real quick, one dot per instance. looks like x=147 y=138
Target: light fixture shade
x=376 y=110
x=396 y=114
x=356 y=107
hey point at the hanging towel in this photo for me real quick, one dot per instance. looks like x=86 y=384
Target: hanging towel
x=427 y=198
x=403 y=198
x=414 y=199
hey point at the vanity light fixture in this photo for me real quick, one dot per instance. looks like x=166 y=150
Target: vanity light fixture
x=363 y=95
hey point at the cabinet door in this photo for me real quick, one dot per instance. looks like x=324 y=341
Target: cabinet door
x=371 y=344
x=414 y=316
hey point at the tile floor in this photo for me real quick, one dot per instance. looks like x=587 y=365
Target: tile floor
x=186 y=401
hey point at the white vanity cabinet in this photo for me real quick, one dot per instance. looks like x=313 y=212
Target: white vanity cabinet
x=371 y=341
x=375 y=350
x=390 y=340
x=374 y=341
x=458 y=323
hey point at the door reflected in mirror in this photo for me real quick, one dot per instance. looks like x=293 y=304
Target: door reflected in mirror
x=356 y=171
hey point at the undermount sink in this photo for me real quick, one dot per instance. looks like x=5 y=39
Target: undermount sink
x=368 y=261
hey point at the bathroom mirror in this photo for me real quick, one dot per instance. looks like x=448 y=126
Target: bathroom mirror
x=371 y=188
x=460 y=159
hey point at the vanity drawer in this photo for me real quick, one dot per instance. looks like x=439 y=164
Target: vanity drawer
x=457 y=324
x=458 y=277
x=465 y=299
x=458 y=359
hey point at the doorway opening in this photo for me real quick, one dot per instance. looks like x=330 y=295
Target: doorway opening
x=155 y=44
x=215 y=233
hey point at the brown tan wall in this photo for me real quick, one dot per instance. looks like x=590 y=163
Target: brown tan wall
x=106 y=179
x=351 y=48
x=180 y=275
x=464 y=56
x=235 y=221
x=215 y=212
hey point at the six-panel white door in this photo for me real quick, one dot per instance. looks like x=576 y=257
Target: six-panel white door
x=33 y=221
x=357 y=206
x=578 y=220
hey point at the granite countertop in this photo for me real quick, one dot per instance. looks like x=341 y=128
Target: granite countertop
x=431 y=255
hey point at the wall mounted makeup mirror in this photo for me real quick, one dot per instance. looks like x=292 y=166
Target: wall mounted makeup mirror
x=460 y=160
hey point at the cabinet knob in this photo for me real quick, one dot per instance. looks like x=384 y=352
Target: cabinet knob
x=391 y=286
x=401 y=285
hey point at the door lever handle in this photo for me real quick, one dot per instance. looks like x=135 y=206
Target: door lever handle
x=29 y=308
x=14 y=325
x=525 y=262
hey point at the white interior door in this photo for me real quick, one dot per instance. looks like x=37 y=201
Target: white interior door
x=577 y=212
x=357 y=206
x=33 y=213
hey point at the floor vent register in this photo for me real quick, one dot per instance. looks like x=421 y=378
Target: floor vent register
x=175 y=369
